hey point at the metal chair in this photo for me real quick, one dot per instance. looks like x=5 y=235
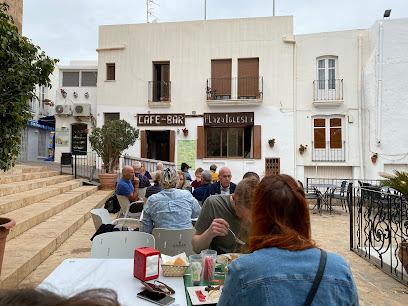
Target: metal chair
x=120 y=244
x=66 y=160
x=101 y=216
x=125 y=207
x=340 y=195
x=312 y=193
x=174 y=241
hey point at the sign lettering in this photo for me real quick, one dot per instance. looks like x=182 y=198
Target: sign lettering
x=229 y=119
x=160 y=119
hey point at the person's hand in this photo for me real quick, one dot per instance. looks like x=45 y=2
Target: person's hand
x=219 y=227
x=135 y=181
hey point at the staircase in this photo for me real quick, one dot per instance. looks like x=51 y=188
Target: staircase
x=48 y=208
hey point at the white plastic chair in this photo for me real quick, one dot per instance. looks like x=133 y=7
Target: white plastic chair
x=101 y=216
x=174 y=241
x=125 y=207
x=120 y=244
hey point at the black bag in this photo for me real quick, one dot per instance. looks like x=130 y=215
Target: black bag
x=112 y=204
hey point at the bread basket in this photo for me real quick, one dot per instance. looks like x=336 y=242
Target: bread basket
x=174 y=270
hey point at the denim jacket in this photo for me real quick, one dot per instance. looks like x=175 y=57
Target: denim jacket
x=171 y=209
x=273 y=276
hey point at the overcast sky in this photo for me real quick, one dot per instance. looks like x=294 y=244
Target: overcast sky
x=68 y=29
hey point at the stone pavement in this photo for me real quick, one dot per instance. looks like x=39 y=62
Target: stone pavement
x=332 y=233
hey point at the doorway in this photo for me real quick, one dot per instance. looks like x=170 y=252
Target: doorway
x=158 y=145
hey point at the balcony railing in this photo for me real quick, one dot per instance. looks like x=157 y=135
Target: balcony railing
x=328 y=151
x=234 y=88
x=326 y=90
x=159 y=91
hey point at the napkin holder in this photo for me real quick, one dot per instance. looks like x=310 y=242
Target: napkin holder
x=146 y=263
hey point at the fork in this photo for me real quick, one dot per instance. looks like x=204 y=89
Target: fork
x=236 y=238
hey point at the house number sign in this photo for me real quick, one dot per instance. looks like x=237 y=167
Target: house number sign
x=228 y=119
x=160 y=119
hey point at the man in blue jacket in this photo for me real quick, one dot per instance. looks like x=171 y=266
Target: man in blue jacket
x=206 y=177
x=223 y=186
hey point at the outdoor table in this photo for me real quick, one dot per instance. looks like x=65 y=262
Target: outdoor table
x=325 y=195
x=75 y=275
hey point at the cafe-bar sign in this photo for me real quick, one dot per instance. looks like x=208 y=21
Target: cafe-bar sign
x=160 y=119
x=229 y=119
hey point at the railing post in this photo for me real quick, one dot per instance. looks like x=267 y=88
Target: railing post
x=75 y=169
x=351 y=206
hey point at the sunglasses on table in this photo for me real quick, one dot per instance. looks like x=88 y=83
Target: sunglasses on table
x=159 y=287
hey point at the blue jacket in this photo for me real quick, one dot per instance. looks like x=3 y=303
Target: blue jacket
x=198 y=193
x=215 y=188
x=273 y=276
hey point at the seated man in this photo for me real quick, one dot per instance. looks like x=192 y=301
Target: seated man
x=143 y=180
x=206 y=177
x=171 y=208
x=128 y=186
x=221 y=212
x=223 y=186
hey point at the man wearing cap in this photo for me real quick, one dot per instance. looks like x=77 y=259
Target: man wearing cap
x=223 y=186
x=184 y=167
x=215 y=175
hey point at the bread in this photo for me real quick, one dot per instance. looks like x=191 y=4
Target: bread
x=179 y=262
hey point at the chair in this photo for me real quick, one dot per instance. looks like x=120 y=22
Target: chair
x=120 y=244
x=174 y=241
x=66 y=160
x=312 y=193
x=142 y=192
x=125 y=207
x=340 y=195
x=101 y=216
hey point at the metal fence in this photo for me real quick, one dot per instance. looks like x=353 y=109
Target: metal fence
x=331 y=89
x=337 y=181
x=379 y=230
x=329 y=151
x=234 y=88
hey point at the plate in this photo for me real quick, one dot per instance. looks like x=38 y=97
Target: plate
x=194 y=299
x=230 y=256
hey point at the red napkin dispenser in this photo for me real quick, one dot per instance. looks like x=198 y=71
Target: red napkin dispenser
x=146 y=263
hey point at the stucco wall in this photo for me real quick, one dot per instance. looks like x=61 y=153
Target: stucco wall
x=16 y=11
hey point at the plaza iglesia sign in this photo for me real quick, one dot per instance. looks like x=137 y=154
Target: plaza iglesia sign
x=229 y=119
x=161 y=119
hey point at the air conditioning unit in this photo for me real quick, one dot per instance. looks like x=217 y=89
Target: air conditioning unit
x=63 y=110
x=82 y=109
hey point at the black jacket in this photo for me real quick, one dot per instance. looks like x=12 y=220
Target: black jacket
x=215 y=188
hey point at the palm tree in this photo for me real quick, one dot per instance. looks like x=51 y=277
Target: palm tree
x=398 y=181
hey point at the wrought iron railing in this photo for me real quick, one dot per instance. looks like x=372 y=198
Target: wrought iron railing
x=328 y=89
x=379 y=230
x=328 y=151
x=159 y=91
x=337 y=181
x=234 y=88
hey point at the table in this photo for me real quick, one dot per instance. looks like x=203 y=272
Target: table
x=325 y=195
x=75 y=275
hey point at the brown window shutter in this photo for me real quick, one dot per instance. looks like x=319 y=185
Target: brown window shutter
x=221 y=77
x=143 y=144
x=200 y=142
x=335 y=133
x=248 y=77
x=172 y=145
x=257 y=142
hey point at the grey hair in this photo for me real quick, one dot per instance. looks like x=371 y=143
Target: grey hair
x=159 y=166
x=169 y=178
x=137 y=165
x=206 y=175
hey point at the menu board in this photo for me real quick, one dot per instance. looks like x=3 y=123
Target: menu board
x=79 y=139
x=186 y=153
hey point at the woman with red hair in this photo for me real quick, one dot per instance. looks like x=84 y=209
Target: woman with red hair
x=285 y=267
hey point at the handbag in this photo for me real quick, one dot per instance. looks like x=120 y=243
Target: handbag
x=317 y=279
x=112 y=204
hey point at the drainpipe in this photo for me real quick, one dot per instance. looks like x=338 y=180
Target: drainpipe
x=359 y=99
x=379 y=96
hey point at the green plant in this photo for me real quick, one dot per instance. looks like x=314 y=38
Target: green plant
x=302 y=147
x=111 y=140
x=398 y=181
x=185 y=130
x=22 y=66
x=271 y=140
x=375 y=155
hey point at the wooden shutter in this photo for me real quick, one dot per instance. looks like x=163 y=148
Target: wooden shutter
x=221 y=77
x=248 y=77
x=200 y=142
x=319 y=133
x=172 y=145
x=335 y=133
x=143 y=144
x=257 y=142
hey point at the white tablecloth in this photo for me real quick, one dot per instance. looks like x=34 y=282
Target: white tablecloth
x=79 y=274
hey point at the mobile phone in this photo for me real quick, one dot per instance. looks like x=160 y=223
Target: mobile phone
x=157 y=298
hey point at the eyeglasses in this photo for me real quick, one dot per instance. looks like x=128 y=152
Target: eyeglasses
x=226 y=176
x=159 y=287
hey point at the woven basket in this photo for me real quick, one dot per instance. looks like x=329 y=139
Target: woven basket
x=172 y=270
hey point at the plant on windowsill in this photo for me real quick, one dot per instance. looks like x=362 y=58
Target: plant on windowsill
x=258 y=96
x=75 y=94
x=302 y=149
x=185 y=131
x=271 y=142
x=374 y=157
x=47 y=101
x=63 y=93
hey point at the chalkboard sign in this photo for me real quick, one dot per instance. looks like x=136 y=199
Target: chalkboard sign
x=79 y=139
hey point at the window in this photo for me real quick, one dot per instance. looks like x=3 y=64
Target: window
x=111 y=116
x=327 y=87
x=161 y=81
x=41 y=97
x=42 y=143
x=327 y=132
x=70 y=79
x=272 y=166
x=88 y=78
x=110 y=72
x=248 y=78
x=221 y=79
x=229 y=142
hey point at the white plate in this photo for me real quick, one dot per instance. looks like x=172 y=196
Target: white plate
x=228 y=255
x=194 y=298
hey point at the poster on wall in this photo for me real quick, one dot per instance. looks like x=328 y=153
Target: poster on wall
x=186 y=153
x=61 y=137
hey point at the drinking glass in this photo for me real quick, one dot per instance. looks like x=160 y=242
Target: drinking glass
x=209 y=258
x=196 y=269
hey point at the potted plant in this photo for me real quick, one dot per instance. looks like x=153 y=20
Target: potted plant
x=271 y=142
x=374 y=157
x=47 y=101
x=5 y=225
x=185 y=131
x=75 y=94
x=258 y=96
x=63 y=93
x=109 y=142
x=302 y=149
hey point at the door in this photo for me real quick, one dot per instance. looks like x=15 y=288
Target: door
x=158 y=145
x=161 y=84
x=326 y=79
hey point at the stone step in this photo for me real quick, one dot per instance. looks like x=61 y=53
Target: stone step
x=24 y=253
x=29 y=216
x=12 y=188
x=25 y=169
x=19 y=177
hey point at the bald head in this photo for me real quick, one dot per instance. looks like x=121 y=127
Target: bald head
x=128 y=172
x=225 y=177
x=159 y=166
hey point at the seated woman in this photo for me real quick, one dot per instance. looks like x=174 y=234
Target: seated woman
x=156 y=187
x=171 y=208
x=284 y=260
x=145 y=173
x=197 y=182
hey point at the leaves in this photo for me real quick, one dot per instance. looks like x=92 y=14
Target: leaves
x=398 y=181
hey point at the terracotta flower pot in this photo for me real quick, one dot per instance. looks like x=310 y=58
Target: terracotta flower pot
x=301 y=151
x=5 y=225
x=373 y=159
x=403 y=254
x=271 y=144
x=108 y=180
x=185 y=133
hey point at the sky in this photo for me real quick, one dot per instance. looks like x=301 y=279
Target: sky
x=68 y=29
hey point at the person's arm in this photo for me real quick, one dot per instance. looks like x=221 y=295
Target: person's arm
x=146 y=224
x=196 y=209
x=231 y=292
x=135 y=195
x=206 y=193
x=201 y=241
